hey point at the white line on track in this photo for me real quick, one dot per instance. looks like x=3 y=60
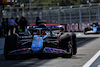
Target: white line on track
x=92 y=59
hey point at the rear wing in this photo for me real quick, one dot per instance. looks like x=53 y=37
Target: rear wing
x=48 y=27
x=53 y=26
x=47 y=24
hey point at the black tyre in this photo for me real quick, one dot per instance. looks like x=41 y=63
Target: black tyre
x=85 y=32
x=74 y=45
x=63 y=44
x=63 y=41
x=10 y=44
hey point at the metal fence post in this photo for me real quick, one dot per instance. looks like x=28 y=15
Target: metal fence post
x=30 y=6
x=99 y=12
x=90 y=12
x=10 y=11
x=59 y=14
x=22 y=7
x=23 y=10
x=17 y=12
x=80 y=13
x=40 y=14
x=71 y=14
x=65 y=17
x=50 y=14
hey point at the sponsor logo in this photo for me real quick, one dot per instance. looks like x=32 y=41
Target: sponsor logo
x=75 y=27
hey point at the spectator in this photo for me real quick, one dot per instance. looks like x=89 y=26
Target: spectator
x=11 y=24
x=23 y=23
x=16 y=20
x=3 y=26
x=37 y=19
x=6 y=27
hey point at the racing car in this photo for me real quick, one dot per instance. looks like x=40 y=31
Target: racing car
x=40 y=41
x=92 y=28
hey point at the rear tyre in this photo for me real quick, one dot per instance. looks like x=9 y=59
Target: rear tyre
x=74 y=45
x=10 y=44
x=63 y=44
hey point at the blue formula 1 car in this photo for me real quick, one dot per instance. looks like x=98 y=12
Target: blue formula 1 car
x=93 y=28
x=40 y=40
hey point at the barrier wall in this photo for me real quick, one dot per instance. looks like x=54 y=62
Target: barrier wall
x=75 y=27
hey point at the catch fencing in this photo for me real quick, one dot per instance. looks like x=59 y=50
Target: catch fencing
x=63 y=14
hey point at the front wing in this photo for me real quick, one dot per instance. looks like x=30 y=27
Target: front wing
x=45 y=50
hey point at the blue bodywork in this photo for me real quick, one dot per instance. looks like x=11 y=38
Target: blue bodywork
x=37 y=43
x=94 y=29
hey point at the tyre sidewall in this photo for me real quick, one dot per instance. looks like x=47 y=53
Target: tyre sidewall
x=74 y=45
x=10 y=44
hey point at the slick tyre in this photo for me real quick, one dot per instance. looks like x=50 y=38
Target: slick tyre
x=74 y=45
x=63 y=44
x=63 y=41
x=10 y=44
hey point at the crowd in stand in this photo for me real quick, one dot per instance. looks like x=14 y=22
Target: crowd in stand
x=7 y=25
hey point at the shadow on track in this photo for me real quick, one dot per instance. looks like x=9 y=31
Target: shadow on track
x=28 y=60
x=81 y=41
x=38 y=56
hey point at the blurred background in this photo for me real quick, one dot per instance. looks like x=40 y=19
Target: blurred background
x=62 y=11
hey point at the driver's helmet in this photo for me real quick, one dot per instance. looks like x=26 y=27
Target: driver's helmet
x=42 y=25
x=37 y=33
x=43 y=32
x=95 y=23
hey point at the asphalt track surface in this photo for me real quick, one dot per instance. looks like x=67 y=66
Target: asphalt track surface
x=88 y=46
